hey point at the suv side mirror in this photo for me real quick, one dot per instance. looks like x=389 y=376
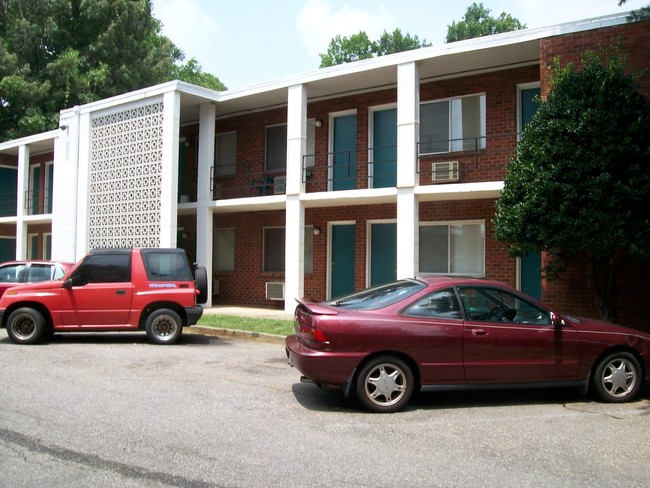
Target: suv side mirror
x=67 y=284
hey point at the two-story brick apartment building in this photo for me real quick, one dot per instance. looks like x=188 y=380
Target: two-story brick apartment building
x=315 y=184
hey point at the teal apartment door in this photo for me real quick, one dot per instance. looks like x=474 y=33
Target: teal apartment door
x=531 y=275
x=344 y=152
x=383 y=253
x=384 y=148
x=342 y=260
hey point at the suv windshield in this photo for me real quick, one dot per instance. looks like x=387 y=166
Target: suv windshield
x=378 y=296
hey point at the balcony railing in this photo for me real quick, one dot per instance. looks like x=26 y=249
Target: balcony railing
x=466 y=160
x=33 y=202
x=228 y=184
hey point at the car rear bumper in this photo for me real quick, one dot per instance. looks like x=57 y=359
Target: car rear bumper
x=332 y=368
x=193 y=314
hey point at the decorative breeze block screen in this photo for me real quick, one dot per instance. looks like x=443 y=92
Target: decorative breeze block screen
x=125 y=178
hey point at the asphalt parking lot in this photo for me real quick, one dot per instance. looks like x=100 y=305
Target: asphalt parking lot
x=112 y=410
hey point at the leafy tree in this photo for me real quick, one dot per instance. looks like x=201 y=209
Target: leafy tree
x=191 y=72
x=396 y=42
x=579 y=183
x=477 y=22
x=347 y=49
x=359 y=46
x=643 y=14
x=59 y=53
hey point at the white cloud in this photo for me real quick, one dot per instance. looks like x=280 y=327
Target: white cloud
x=318 y=23
x=188 y=26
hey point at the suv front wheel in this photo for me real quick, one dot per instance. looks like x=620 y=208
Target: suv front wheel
x=163 y=326
x=25 y=326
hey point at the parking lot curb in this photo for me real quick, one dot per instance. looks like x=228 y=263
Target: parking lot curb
x=235 y=334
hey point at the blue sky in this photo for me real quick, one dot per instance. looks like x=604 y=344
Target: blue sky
x=245 y=42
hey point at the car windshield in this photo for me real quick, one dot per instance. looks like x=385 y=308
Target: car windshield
x=378 y=296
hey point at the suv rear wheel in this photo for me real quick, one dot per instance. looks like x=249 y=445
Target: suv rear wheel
x=164 y=326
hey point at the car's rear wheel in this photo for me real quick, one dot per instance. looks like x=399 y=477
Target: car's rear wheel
x=164 y=326
x=617 y=377
x=25 y=326
x=384 y=384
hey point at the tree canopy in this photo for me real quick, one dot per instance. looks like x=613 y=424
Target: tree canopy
x=579 y=183
x=477 y=22
x=359 y=46
x=61 y=53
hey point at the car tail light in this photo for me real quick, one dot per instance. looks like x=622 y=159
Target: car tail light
x=305 y=328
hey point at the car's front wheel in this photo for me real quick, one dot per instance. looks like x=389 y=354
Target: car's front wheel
x=26 y=326
x=617 y=377
x=164 y=326
x=384 y=384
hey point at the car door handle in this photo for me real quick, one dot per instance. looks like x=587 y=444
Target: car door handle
x=479 y=332
x=120 y=292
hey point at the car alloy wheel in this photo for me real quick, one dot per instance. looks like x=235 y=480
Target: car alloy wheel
x=617 y=377
x=384 y=384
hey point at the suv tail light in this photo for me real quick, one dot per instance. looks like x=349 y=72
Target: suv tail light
x=304 y=327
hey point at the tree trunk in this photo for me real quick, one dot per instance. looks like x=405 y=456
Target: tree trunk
x=601 y=278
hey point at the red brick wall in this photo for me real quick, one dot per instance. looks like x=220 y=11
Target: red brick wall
x=570 y=292
x=632 y=39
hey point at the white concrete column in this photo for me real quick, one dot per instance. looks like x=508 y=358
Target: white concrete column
x=169 y=177
x=64 y=196
x=204 y=241
x=83 y=184
x=296 y=137
x=294 y=253
x=408 y=136
x=21 y=188
x=294 y=260
x=407 y=233
x=408 y=123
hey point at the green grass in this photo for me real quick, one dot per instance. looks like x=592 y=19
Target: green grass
x=249 y=324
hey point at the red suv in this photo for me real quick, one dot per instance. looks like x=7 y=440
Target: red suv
x=154 y=290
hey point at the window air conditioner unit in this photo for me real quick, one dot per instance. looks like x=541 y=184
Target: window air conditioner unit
x=275 y=290
x=280 y=185
x=446 y=171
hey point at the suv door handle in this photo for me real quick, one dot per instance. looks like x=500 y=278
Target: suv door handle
x=120 y=292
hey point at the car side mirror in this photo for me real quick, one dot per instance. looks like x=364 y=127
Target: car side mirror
x=67 y=284
x=556 y=320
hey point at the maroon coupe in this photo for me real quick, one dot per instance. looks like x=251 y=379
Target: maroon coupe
x=441 y=333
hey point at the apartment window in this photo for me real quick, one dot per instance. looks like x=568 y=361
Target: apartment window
x=276 y=148
x=225 y=160
x=274 y=245
x=224 y=250
x=456 y=124
x=453 y=248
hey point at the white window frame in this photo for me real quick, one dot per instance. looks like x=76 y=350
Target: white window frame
x=449 y=224
x=308 y=256
x=455 y=124
x=220 y=251
x=224 y=169
x=266 y=146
